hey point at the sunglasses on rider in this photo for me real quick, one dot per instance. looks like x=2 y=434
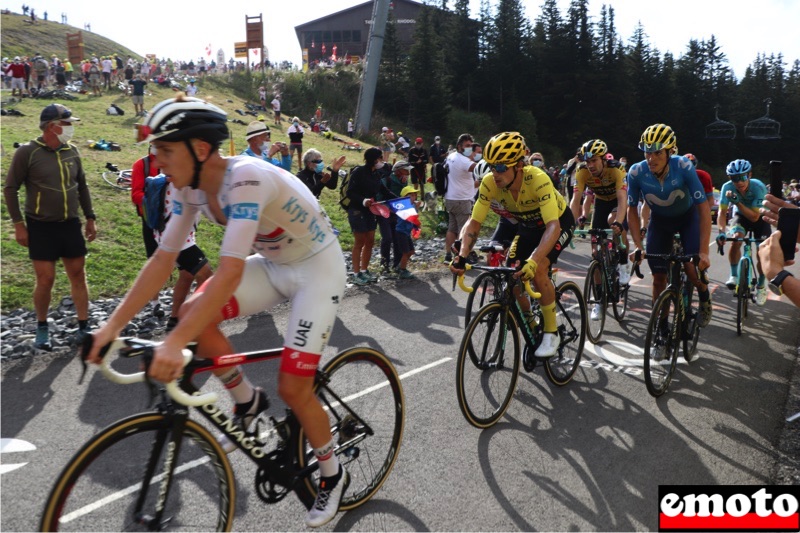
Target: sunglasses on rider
x=739 y=178
x=499 y=167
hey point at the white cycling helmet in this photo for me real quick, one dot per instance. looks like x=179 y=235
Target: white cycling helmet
x=481 y=169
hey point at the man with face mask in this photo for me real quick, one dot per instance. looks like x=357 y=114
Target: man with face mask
x=461 y=187
x=51 y=170
x=418 y=157
x=257 y=137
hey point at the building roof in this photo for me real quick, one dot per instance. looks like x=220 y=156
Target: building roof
x=368 y=4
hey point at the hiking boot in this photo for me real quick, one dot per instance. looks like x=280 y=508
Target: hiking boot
x=731 y=283
x=704 y=314
x=597 y=312
x=43 y=338
x=372 y=278
x=405 y=274
x=624 y=275
x=243 y=416
x=761 y=295
x=360 y=279
x=549 y=345
x=329 y=495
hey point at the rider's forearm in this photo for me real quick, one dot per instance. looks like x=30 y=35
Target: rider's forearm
x=633 y=222
x=791 y=289
x=705 y=227
x=469 y=236
x=749 y=213
x=622 y=199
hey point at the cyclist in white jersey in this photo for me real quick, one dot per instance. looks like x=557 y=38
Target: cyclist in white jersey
x=297 y=257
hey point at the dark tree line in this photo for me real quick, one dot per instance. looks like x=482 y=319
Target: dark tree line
x=564 y=78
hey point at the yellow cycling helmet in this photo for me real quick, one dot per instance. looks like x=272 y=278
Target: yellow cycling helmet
x=657 y=137
x=507 y=147
x=594 y=147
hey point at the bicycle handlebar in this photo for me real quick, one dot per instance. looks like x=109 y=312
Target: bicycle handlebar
x=130 y=347
x=526 y=284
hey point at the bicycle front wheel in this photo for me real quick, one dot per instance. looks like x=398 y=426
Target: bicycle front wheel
x=362 y=395
x=488 y=365
x=691 y=335
x=596 y=300
x=742 y=295
x=571 y=320
x=661 y=344
x=621 y=305
x=485 y=288
x=106 y=486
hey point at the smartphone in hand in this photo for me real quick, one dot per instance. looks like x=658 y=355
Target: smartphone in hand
x=788 y=223
x=775 y=181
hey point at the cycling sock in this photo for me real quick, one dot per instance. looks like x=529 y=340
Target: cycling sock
x=761 y=279
x=83 y=324
x=41 y=324
x=549 y=316
x=704 y=295
x=328 y=461
x=735 y=270
x=238 y=385
x=623 y=257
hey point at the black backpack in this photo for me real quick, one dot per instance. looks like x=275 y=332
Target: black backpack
x=440 y=172
x=344 y=201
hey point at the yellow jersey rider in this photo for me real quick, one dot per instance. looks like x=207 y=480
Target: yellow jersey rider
x=544 y=229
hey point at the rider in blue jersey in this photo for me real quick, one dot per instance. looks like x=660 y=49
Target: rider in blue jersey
x=677 y=201
x=747 y=195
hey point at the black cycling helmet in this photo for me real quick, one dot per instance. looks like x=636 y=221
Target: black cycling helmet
x=182 y=119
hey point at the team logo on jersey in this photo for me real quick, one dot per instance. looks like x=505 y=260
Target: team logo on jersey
x=244 y=211
x=674 y=196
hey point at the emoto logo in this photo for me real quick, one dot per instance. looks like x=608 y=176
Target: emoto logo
x=728 y=508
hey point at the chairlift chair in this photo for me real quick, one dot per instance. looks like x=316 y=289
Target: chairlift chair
x=720 y=129
x=764 y=128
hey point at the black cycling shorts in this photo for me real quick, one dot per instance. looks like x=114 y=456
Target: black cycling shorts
x=49 y=241
x=528 y=239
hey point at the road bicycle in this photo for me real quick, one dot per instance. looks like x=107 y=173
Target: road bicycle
x=747 y=282
x=487 y=284
x=119 y=179
x=673 y=321
x=163 y=470
x=490 y=354
x=602 y=280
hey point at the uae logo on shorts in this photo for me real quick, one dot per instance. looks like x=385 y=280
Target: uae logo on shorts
x=728 y=508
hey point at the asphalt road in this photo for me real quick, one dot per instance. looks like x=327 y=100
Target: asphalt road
x=588 y=456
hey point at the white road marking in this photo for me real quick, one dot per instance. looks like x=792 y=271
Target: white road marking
x=14 y=446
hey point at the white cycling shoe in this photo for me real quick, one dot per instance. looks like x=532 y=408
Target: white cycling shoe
x=624 y=275
x=596 y=311
x=549 y=345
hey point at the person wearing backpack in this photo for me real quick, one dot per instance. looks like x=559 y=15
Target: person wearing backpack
x=192 y=262
x=362 y=188
x=460 y=193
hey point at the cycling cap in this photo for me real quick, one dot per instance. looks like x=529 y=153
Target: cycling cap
x=740 y=166
x=481 y=169
x=657 y=137
x=184 y=118
x=594 y=147
x=692 y=158
x=506 y=147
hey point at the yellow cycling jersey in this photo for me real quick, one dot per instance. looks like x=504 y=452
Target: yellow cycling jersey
x=537 y=203
x=605 y=187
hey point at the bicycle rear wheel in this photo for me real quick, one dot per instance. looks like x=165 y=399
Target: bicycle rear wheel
x=119 y=180
x=661 y=344
x=742 y=295
x=361 y=392
x=486 y=288
x=487 y=369
x=621 y=305
x=692 y=331
x=571 y=320
x=596 y=299
x=100 y=488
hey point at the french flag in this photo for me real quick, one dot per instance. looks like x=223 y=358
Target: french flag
x=404 y=208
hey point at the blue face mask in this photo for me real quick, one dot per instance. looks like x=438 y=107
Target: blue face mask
x=319 y=168
x=468 y=151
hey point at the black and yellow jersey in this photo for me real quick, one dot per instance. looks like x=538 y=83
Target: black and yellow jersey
x=537 y=203
x=605 y=187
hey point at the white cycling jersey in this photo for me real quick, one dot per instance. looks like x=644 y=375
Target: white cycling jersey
x=268 y=211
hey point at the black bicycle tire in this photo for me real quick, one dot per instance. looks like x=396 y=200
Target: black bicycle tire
x=551 y=362
x=690 y=342
x=591 y=299
x=307 y=489
x=480 y=286
x=742 y=296
x=466 y=360
x=652 y=329
x=126 y=428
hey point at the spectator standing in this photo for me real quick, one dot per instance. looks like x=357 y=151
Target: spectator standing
x=314 y=173
x=461 y=187
x=402 y=144
x=296 y=132
x=61 y=77
x=262 y=97
x=418 y=157
x=364 y=186
x=137 y=94
x=351 y=128
x=94 y=78
x=387 y=144
x=16 y=71
x=107 y=67
x=405 y=242
x=392 y=185
x=191 y=89
x=40 y=66
x=258 y=145
x=51 y=170
x=192 y=262
x=276 y=105
x=68 y=69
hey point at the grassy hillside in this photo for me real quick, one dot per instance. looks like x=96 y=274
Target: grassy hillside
x=20 y=38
